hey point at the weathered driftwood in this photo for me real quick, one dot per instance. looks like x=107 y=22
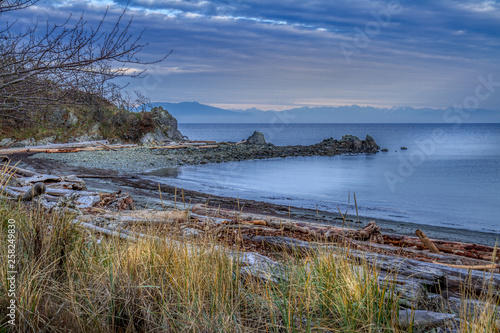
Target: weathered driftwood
x=100 y=176
x=458 y=253
x=208 y=219
x=87 y=201
x=22 y=172
x=208 y=142
x=203 y=209
x=371 y=232
x=66 y=150
x=27 y=195
x=278 y=223
x=474 y=251
x=168 y=147
x=74 y=150
x=7 y=151
x=66 y=185
x=209 y=146
x=436 y=275
x=148 y=214
x=427 y=242
x=105 y=231
x=193 y=143
x=38 y=178
x=70 y=145
x=69 y=188
x=422 y=318
x=321 y=232
x=58 y=192
x=258 y=222
x=141 y=217
x=36 y=190
x=66 y=147
x=29 y=178
x=107 y=147
x=447 y=258
x=8 y=191
x=247 y=226
x=475 y=267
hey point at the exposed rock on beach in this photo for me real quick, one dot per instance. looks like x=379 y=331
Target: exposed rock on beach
x=164 y=127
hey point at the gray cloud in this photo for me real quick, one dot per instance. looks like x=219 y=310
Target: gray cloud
x=285 y=53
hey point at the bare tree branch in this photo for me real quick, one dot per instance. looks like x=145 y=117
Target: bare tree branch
x=41 y=67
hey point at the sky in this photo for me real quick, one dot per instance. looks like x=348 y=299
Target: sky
x=277 y=55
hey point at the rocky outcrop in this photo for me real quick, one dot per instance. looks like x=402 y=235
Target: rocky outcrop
x=225 y=152
x=351 y=143
x=257 y=138
x=165 y=127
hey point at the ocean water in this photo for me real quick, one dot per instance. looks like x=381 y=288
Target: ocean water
x=449 y=175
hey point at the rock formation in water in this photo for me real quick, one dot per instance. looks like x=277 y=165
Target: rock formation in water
x=257 y=138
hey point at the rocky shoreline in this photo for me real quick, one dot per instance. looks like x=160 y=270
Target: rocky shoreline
x=144 y=158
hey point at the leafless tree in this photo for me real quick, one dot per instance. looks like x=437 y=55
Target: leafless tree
x=49 y=64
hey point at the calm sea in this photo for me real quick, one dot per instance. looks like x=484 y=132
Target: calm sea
x=449 y=175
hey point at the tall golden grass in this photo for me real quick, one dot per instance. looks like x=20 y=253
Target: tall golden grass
x=70 y=280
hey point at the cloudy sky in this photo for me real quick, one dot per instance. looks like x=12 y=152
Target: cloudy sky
x=281 y=54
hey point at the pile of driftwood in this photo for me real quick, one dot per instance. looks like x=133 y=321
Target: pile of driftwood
x=67 y=147
x=454 y=254
x=409 y=256
x=415 y=264
x=371 y=232
x=57 y=192
x=418 y=275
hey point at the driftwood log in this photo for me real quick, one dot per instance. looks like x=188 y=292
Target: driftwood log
x=143 y=217
x=71 y=145
x=22 y=172
x=67 y=147
x=23 y=184
x=436 y=277
x=28 y=195
x=473 y=251
x=36 y=190
x=321 y=232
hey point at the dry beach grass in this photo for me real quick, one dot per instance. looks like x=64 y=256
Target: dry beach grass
x=72 y=280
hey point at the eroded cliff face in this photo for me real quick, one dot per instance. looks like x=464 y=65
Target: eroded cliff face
x=164 y=127
x=103 y=121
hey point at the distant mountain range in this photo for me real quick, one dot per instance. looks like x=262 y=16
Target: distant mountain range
x=193 y=112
